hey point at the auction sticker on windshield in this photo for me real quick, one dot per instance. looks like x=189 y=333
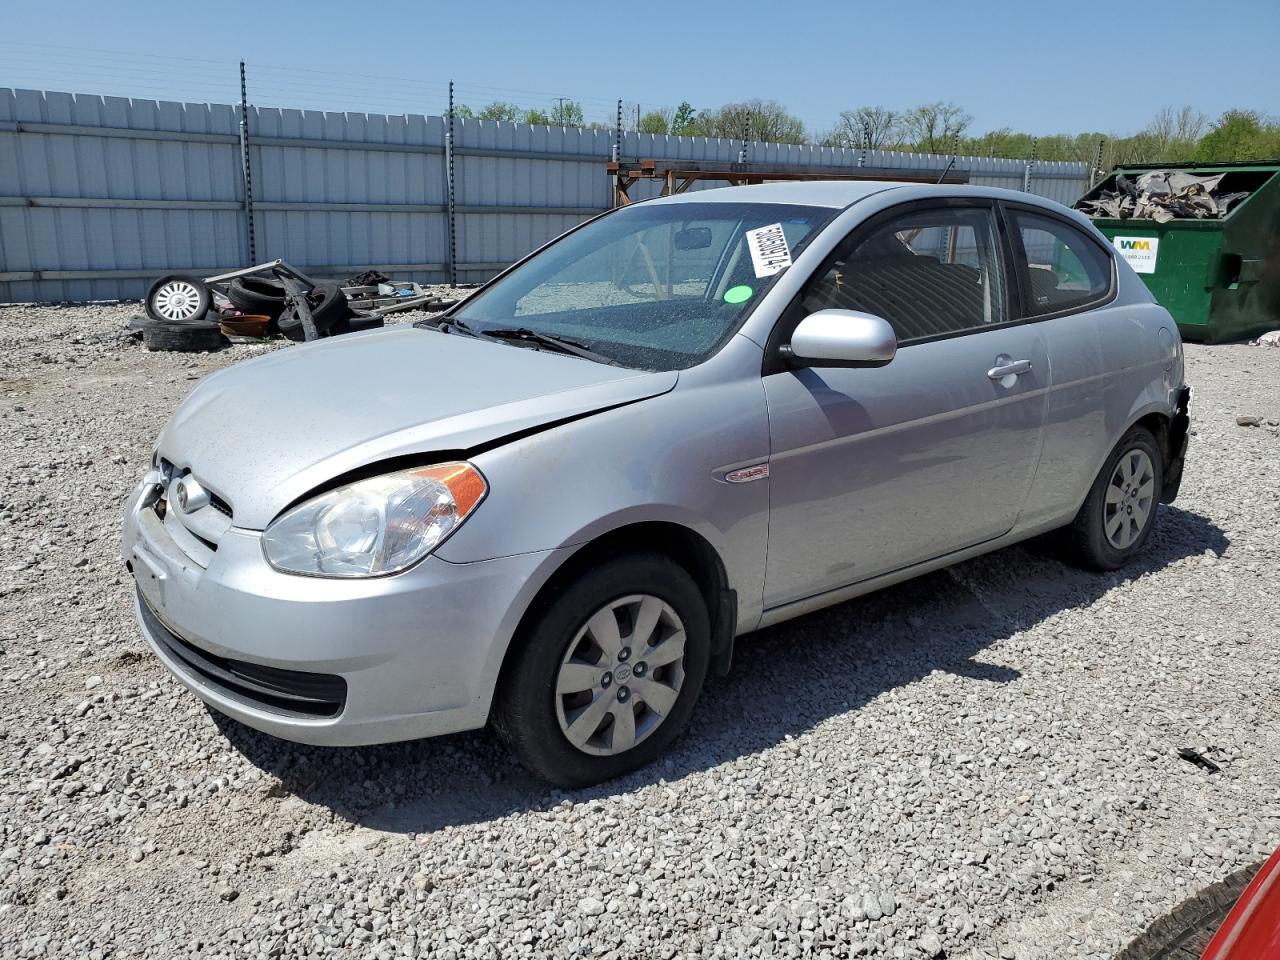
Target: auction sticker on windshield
x=1139 y=251
x=769 y=250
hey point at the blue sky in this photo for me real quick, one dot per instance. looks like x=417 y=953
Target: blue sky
x=1035 y=66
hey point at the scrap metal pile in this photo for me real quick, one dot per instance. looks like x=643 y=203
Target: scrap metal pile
x=1163 y=195
x=270 y=299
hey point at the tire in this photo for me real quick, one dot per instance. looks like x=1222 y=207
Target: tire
x=257 y=295
x=177 y=298
x=328 y=306
x=183 y=337
x=356 y=324
x=539 y=701
x=1184 y=932
x=290 y=326
x=1119 y=514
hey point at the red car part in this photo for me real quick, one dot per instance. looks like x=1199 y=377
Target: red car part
x=1252 y=928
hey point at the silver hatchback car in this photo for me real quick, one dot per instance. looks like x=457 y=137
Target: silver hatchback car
x=556 y=505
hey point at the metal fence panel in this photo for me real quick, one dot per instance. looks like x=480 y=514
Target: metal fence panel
x=74 y=203
x=100 y=195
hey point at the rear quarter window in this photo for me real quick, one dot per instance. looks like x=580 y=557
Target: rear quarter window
x=1063 y=268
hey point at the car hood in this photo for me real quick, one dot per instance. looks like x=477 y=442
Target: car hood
x=265 y=432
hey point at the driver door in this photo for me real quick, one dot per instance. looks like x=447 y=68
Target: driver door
x=876 y=469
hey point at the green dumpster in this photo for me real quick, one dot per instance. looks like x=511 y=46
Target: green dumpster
x=1218 y=276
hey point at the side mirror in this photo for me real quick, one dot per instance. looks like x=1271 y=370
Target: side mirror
x=841 y=338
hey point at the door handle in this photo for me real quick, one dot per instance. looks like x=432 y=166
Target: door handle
x=1009 y=368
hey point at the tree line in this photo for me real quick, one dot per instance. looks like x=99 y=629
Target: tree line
x=1172 y=135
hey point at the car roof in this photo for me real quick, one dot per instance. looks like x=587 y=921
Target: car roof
x=835 y=194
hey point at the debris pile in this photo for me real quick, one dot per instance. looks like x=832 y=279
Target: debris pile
x=1269 y=339
x=1163 y=195
x=191 y=314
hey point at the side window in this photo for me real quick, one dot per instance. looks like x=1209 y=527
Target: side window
x=1065 y=268
x=928 y=272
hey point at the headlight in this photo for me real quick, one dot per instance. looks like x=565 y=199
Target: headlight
x=377 y=526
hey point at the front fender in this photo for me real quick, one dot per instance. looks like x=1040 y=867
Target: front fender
x=661 y=459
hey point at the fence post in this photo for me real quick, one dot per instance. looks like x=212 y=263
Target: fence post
x=1096 y=172
x=616 y=153
x=245 y=170
x=1031 y=162
x=449 y=187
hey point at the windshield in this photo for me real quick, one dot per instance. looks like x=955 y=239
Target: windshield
x=654 y=286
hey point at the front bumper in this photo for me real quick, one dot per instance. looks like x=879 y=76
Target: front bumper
x=393 y=658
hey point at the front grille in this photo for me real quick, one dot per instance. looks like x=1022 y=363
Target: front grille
x=289 y=692
x=197 y=532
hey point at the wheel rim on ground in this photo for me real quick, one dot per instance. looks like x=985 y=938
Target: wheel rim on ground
x=176 y=300
x=1130 y=498
x=621 y=676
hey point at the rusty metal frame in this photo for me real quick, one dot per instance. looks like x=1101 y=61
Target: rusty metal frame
x=677 y=177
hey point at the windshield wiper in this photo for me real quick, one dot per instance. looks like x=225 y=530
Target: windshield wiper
x=520 y=334
x=447 y=324
x=559 y=344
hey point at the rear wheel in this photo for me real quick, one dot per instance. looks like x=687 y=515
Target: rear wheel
x=1120 y=512
x=608 y=675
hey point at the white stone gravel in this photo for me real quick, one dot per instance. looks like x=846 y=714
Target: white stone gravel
x=982 y=763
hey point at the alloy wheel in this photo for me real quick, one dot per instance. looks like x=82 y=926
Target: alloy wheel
x=621 y=676
x=1131 y=497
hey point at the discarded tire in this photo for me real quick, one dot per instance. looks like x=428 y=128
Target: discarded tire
x=182 y=337
x=328 y=306
x=1183 y=933
x=177 y=298
x=257 y=295
x=291 y=326
x=355 y=324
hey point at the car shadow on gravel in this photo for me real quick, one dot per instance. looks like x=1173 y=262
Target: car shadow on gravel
x=785 y=680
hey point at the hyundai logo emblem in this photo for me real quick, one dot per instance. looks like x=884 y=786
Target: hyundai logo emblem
x=189 y=495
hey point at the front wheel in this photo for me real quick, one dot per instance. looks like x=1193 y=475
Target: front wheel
x=1120 y=511
x=608 y=675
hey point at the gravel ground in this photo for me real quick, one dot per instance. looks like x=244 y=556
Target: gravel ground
x=982 y=763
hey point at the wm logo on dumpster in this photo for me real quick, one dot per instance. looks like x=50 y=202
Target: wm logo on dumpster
x=1140 y=252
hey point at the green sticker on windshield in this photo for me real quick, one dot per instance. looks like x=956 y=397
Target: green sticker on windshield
x=738 y=294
